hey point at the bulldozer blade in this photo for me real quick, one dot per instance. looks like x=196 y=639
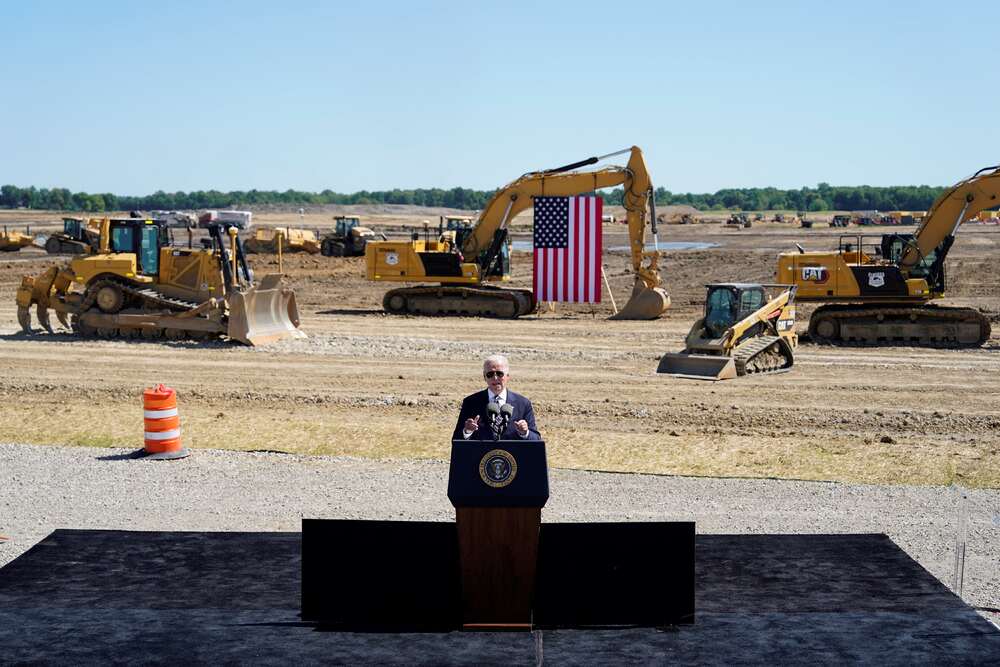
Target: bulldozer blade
x=646 y=303
x=24 y=318
x=263 y=314
x=43 y=319
x=698 y=366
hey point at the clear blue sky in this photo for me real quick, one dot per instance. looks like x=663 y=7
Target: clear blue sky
x=132 y=97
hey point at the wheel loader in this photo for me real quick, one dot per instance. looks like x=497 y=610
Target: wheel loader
x=747 y=328
x=139 y=285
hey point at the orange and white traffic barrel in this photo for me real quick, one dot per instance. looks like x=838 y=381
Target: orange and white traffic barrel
x=162 y=424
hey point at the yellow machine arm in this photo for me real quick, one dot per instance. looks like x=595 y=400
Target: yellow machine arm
x=648 y=299
x=766 y=314
x=958 y=204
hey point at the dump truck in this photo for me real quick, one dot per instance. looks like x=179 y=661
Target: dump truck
x=12 y=240
x=238 y=219
x=139 y=285
x=747 y=328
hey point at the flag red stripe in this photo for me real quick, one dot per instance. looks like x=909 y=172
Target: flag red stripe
x=598 y=249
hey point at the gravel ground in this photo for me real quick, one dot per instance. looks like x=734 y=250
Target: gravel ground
x=47 y=487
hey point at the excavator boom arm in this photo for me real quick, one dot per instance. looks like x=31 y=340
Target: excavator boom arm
x=638 y=191
x=958 y=204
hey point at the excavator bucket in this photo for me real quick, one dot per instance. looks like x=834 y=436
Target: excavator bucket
x=264 y=314
x=646 y=303
x=24 y=318
x=698 y=366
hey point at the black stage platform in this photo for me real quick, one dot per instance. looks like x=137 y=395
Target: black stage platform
x=127 y=597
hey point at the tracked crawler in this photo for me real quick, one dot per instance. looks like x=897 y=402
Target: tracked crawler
x=747 y=328
x=878 y=289
x=463 y=261
x=139 y=285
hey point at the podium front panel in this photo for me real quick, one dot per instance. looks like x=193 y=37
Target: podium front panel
x=500 y=473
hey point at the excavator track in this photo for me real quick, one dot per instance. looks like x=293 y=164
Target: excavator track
x=138 y=301
x=454 y=300
x=762 y=354
x=936 y=326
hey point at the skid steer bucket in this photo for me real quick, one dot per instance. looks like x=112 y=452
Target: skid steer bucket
x=698 y=366
x=646 y=303
x=264 y=314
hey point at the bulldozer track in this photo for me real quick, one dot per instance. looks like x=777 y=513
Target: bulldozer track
x=143 y=299
x=448 y=300
x=763 y=354
x=935 y=326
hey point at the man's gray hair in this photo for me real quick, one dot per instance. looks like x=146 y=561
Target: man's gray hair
x=497 y=359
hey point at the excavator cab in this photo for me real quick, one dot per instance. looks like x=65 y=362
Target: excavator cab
x=930 y=267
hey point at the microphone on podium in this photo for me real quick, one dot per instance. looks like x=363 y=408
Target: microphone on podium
x=506 y=413
x=493 y=413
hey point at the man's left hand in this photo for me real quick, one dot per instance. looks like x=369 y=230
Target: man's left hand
x=522 y=427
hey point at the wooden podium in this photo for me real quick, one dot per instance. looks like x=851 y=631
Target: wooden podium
x=498 y=489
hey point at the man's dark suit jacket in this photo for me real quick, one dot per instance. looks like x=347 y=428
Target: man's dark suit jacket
x=476 y=405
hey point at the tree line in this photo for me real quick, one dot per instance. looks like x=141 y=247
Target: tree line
x=823 y=197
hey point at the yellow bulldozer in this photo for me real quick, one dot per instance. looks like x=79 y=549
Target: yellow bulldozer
x=747 y=328
x=12 y=241
x=139 y=285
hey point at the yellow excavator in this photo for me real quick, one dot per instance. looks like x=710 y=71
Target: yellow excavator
x=876 y=289
x=747 y=328
x=139 y=285
x=464 y=269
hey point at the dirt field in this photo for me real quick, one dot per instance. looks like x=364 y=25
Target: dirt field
x=371 y=385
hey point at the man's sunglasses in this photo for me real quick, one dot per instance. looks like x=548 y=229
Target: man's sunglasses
x=495 y=374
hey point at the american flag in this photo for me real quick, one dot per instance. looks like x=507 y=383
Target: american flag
x=567 y=244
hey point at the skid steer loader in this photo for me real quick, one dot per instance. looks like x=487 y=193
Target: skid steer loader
x=139 y=285
x=747 y=328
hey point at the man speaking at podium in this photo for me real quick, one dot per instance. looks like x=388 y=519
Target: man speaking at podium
x=496 y=413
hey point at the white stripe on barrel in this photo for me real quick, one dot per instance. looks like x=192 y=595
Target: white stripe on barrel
x=159 y=414
x=163 y=435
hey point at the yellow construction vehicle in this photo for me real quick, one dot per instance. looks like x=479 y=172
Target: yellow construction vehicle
x=747 y=328
x=877 y=289
x=80 y=236
x=348 y=238
x=12 y=241
x=265 y=240
x=483 y=255
x=139 y=285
